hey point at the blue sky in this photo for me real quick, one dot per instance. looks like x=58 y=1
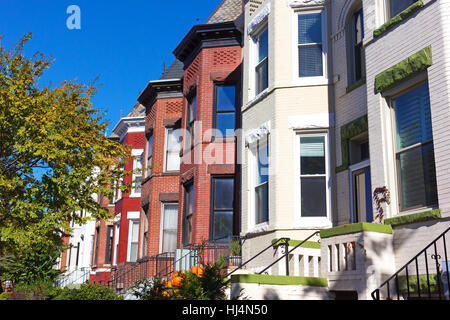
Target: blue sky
x=125 y=43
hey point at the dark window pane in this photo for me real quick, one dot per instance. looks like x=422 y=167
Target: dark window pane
x=262 y=77
x=263 y=45
x=413 y=117
x=314 y=197
x=310 y=28
x=223 y=193
x=223 y=224
x=310 y=61
x=262 y=203
x=418 y=177
x=312 y=152
x=226 y=121
x=263 y=164
x=226 y=98
x=188 y=211
x=398 y=6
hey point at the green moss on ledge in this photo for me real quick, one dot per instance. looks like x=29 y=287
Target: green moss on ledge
x=355 y=228
x=348 y=131
x=399 y=18
x=405 y=70
x=414 y=218
x=356 y=85
x=294 y=243
x=279 y=280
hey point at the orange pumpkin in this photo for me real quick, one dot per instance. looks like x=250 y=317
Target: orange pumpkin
x=198 y=271
x=177 y=281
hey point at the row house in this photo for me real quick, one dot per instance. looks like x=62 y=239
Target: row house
x=344 y=149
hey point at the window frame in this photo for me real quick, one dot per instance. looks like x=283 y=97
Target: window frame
x=166 y=148
x=213 y=209
x=390 y=97
x=254 y=59
x=189 y=184
x=130 y=238
x=109 y=244
x=149 y=157
x=215 y=106
x=116 y=242
x=351 y=47
x=388 y=9
x=314 y=80
x=312 y=222
x=163 y=216
x=190 y=123
x=137 y=155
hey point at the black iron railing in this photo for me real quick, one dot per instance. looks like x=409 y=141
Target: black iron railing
x=424 y=277
x=280 y=242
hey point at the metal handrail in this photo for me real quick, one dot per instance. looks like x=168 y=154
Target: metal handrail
x=376 y=293
x=286 y=255
x=286 y=240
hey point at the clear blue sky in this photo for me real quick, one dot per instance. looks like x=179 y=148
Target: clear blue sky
x=123 y=42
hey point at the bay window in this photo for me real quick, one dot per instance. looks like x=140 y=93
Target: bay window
x=172 y=149
x=225 y=109
x=169 y=227
x=222 y=208
x=262 y=183
x=262 y=61
x=415 y=149
x=311 y=43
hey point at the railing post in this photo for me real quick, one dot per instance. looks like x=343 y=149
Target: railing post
x=286 y=253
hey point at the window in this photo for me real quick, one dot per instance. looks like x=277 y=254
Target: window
x=137 y=173
x=415 y=150
x=262 y=184
x=225 y=109
x=313 y=176
x=97 y=230
x=169 y=227
x=355 y=46
x=190 y=121
x=78 y=255
x=172 y=149
x=397 y=6
x=134 y=240
x=149 y=155
x=109 y=244
x=310 y=45
x=116 y=240
x=188 y=212
x=222 y=208
x=262 y=65
x=145 y=233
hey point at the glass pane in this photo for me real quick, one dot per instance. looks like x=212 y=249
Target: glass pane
x=312 y=153
x=173 y=161
x=192 y=109
x=173 y=140
x=413 y=117
x=262 y=203
x=310 y=28
x=137 y=184
x=398 y=6
x=310 y=61
x=358 y=27
x=170 y=216
x=150 y=146
x=262 y=77
x=223 y=193
x=169 y=241
x=133 y=252
x=226 y=98
x=263 y=164
x=135 y=231
x=314 y=197
x=418 y=177
x=223 y=224
x=226 y=124
x=263 y=45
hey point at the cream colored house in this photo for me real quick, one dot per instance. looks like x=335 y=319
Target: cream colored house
x=350 y=101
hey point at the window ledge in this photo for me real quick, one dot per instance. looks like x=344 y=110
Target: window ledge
x=399 y=18
x=258 y=98
x=413 y=218
x=355 y=85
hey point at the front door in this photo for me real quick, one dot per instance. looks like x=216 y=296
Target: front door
x=362 y=197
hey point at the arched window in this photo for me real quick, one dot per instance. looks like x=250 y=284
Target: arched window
x=355 y=50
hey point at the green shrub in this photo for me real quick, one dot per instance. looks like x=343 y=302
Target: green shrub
x=84 y=292
x=5 y=295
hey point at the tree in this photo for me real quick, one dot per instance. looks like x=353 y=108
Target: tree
x=54 y=155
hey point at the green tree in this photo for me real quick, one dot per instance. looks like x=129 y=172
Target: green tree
x=54 y=155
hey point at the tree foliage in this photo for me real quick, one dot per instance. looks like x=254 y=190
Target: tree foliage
x=54 y=154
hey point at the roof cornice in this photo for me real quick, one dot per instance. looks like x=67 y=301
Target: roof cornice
x=150 y=94
x=222 y=34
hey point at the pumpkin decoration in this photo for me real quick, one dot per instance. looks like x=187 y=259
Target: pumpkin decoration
x=177 y=281
x=198 y=271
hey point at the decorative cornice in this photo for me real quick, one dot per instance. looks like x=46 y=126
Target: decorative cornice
x=306 y=3
x=125 y=124
x=259 y=19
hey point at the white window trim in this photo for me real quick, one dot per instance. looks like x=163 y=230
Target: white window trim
x=309 y=81
x=131 y=220
x=136 y=153
x=311 y=222
x=116 y=242
x=161 y=227
x=166 y=140
x=146 y=167
x=253 y=57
